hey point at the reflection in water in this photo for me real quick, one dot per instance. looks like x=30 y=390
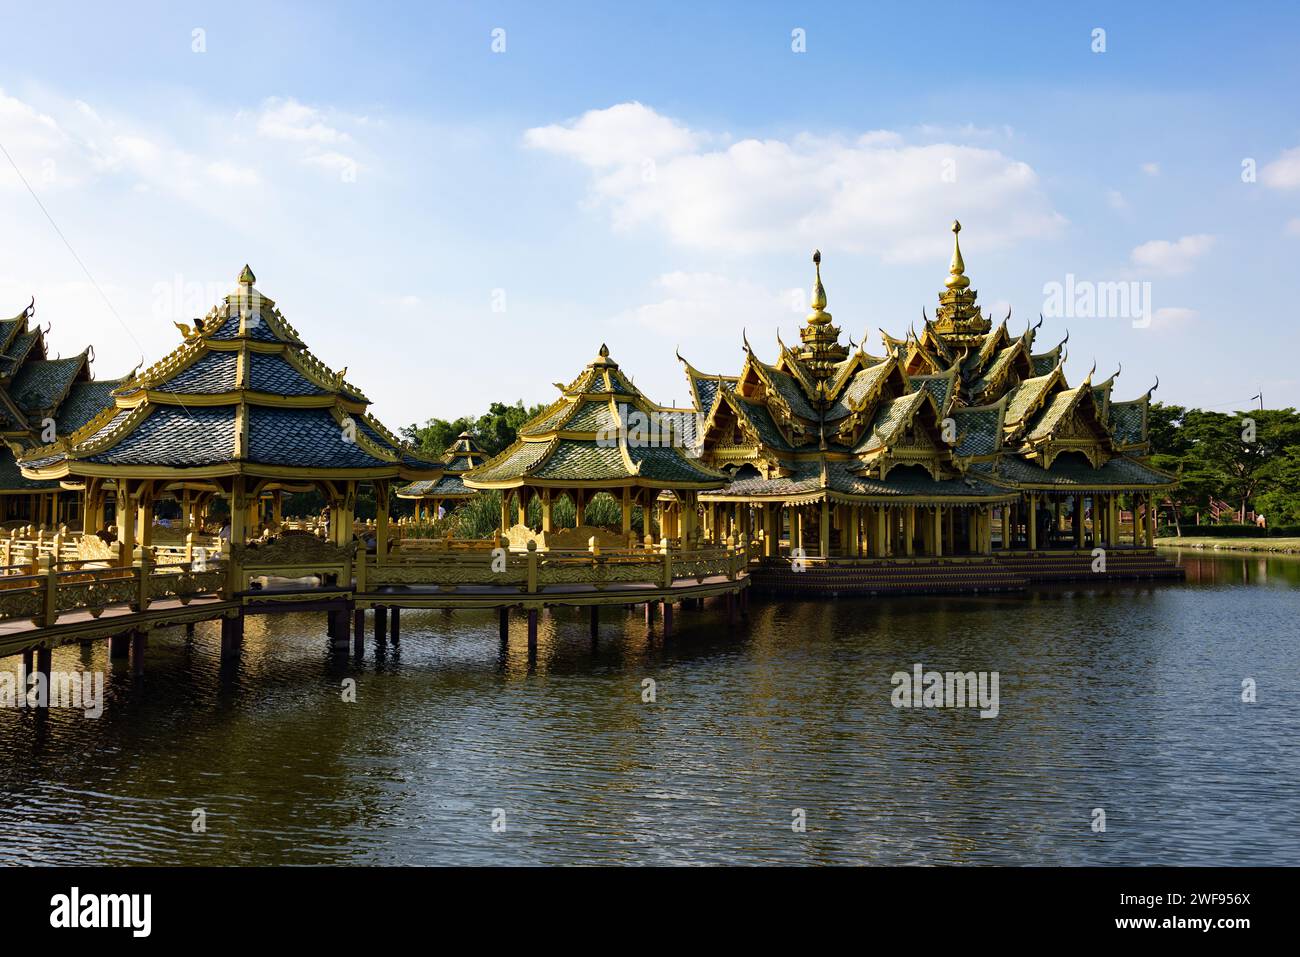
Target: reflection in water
x=1125 y=698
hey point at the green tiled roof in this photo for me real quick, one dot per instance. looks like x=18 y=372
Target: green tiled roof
x=857 y=389
x=939 y=386
x=890 y=417
x=1073 y=472
x=1025 y=396
x=978 y=432
x=841 y=478
x=789 y=389
x=1128 y=422
x=1057 y=409
x=40 y=385
x=85 y=400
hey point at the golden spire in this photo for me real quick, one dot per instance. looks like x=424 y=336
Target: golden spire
x=819 y=316
x=246 y=278
x=957 y=268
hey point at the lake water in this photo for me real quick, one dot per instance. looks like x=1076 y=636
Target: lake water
x=1126 y=698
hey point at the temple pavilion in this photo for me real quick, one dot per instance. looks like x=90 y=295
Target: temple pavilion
x=430 y=495
x=602 y=435
x=40 y=398
x=957 y=440
x=241 y=411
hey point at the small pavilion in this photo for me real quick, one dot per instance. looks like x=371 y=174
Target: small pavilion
x=242 y=411
x=601 y=435
x=430 y=494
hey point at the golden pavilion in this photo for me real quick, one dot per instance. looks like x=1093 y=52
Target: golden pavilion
x=959 y=440
x=41 y=398
x=240 y=411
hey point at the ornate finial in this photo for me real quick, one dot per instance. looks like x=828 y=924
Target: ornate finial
x=819 y=316
x=957 y=268
x=246 y=277
x=604 y=351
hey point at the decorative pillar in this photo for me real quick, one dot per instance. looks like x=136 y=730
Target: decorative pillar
x=381 y=520
x=1031 y=522
x=824 y=530
x=626 y=511
x=1151 y=520
x=938 y=531
x=909 y=531
x=546 y=510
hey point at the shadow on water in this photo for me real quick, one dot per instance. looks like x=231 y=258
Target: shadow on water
x=702 y=748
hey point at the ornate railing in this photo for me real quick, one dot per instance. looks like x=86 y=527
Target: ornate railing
x=54 y=592
x=533 y=571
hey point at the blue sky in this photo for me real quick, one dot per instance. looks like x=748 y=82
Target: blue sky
x=458 y=225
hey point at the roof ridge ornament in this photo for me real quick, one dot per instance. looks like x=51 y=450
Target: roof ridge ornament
x=246 y=277
x=957 y=268
x=819 y=316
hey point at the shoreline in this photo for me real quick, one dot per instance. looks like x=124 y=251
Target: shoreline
x=1278 y=546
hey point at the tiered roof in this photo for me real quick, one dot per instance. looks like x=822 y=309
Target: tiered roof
x=37 y=391
x=602 y=432
x=241 y=395
x=458 y=458
x=962 y=409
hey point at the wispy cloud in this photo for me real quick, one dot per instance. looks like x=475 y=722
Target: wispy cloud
x=873 y=193
x=1283 y=172
x=1172 y=258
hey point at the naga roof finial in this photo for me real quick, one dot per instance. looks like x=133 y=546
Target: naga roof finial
x=957 y=268
x=246 y=277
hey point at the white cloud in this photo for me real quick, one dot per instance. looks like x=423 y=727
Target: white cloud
x=1172 y=258
x=1292 y=227
x=1116 y=201
x=287 y=119
x=1283 y=172
x=229 y=174
x=1151 y=169
x=873 y=193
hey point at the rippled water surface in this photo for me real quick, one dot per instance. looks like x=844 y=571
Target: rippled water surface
x=1125 y=698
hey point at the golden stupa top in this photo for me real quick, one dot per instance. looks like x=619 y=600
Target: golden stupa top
x=957 y=268
x=819 y=316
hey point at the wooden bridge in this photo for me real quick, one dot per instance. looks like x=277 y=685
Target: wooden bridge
x=54 y=601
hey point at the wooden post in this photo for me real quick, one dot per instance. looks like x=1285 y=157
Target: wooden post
x=595 y=620
x=359 y=631
x=381 y=521
x=503 y=623
x=1031 y=521
x=139 y=640
x=532 y=629
x=119 y=646
x=232 y=634
x=44 y=658
x=50 y=590
x=396 y=628
x=938 y=531
x=381 y=623
x=143 y=563
x=668 y=618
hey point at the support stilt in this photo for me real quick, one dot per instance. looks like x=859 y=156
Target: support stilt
x=232 y=635
x=119 y=646
x=532 y=629
x=139 y=641
x=595 y=621
x=668 y=619
x=381 y=623
x=396 y=614
x=359 y=632
x=503 y=624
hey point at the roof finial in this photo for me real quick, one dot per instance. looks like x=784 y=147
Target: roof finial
x=246 y=278
x=604 y=351
x=819 y=315
x=957 y=268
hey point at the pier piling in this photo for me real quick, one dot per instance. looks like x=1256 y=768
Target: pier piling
x=119 y=646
